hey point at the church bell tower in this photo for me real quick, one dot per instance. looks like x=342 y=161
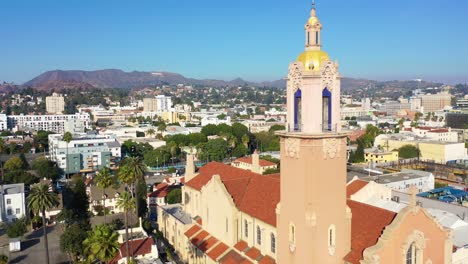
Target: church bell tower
x=314 y=222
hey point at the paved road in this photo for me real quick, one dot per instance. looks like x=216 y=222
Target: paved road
x=33 y=248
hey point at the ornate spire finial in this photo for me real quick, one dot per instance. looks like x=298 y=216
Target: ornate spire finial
x=313 y=11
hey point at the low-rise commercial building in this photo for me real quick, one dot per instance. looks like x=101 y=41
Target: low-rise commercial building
x=380 y=156
x=437 y=151
x=85 y=152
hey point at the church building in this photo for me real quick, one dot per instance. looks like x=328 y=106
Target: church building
x=303 y=214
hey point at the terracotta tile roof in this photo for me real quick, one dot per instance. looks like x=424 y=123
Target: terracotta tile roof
x=199 y=221
x=276 y=176
x=161 y=185
x=261 y=197
x=439 y=131
x=263 y=163
x=217 y=251
x=140 y=247
x=253 y=253
x=252 y=193
x=267 y=260
x=234 y=258
x=354 y=187
x=241 y=245
x=367 y=225
x=207 y=244
x=206 y=172
x=162 y=191
x=192 y=231
x=199 y=237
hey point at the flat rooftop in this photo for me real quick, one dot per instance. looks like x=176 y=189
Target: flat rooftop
x=178 y=212
x=13 y=188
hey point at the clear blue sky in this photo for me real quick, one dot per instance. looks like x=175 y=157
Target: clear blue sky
x=251 y=39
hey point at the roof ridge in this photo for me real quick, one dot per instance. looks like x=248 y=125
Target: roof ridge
x=378 y=208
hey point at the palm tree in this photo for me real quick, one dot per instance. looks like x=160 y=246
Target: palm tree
x=150 y=132
x=67 y=137
x=102 y=243
x=41 y=199
x=132 y=173
x=127 y=203
x=162 y=127
x=104 y=180
x=245 y=140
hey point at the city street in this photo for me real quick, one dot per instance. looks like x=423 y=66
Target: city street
x=33 y=248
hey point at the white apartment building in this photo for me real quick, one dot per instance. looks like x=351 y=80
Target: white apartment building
x=160 y=103
x=85 y=152
x=214 y=120
x=436 y=134
x=402 y=181
x=53 y=123
x=3 y=122
x=13 y=202
x=55 y=104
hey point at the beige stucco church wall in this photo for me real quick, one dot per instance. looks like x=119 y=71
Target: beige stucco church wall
x=412 y=225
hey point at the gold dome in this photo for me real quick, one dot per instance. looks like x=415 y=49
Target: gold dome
x=313 y=20
x=313 y=59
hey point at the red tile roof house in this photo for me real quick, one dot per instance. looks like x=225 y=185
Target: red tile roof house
x=141 y=249
x=254 y=164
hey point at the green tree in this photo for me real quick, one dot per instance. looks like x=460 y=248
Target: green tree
x=136 y=172
x=3 y=259
x=127 y=203
x=275 y=128
x=67 y=137
x=174 y=196
x=239 y=130
x=245 y=140
x=17 y=228
x=40 y=199
x=240 y=151
x=102 y=244
x=214 y=150
x=13 y=164
x=71 y=241
x=408 y=152
x=24 y=161
x=45 y=168
x=210 y=130
x=104 y=180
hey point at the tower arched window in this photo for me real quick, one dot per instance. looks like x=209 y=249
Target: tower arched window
x=259 y=235
x=273 y=243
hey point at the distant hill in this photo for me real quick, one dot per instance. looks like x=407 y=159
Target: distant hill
x=119 y=79
x=113 y=78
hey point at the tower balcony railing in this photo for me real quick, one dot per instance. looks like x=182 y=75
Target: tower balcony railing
x=326 y=128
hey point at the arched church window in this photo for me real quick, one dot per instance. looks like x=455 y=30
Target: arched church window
x=411 y=254
x=331 y=239
x=308 y=38
x=246 y=228
x=292 y=234
x=273 y=243
x=316 y=38
x=259 y=235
